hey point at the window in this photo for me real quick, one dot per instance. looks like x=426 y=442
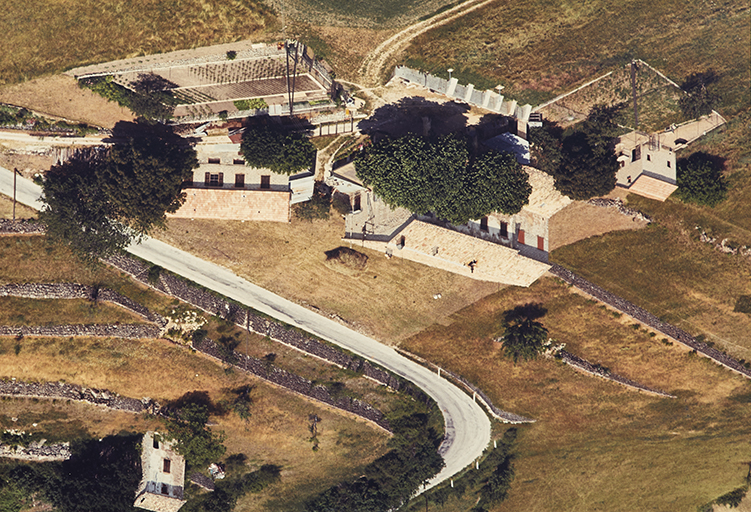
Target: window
x=165 y=489
x=214 y=161
x=636 y=153
x=649 y=158
x=358 y=203
x=238 y=161
x=623 y=164
x=540 y=243
x=668 y=165
x=167 y=465
x=504 y=230
x=216 y=180
x=266 y=181
x=156 y=443
x=239 y=180
x=484 y=224
x=520 y=238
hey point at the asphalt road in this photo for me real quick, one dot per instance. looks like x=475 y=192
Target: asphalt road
x=467 y=426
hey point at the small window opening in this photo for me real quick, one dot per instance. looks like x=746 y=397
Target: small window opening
x=239 y=180
x=649 y=158
x=358 y=203
x=636 y=154
x=165 y=489
x=167 y=465
x=214 y=161
x=504 y=229
x=156 y=443
x=266 y=182
x=668 y=165
x=238 y=161
x=484 y=224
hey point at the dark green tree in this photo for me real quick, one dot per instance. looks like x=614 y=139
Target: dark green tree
x=524 y=337
x=442 y=177
x=546 y=147
x=700 y=179
x=274 y=147
x=100 y=201
x=194 y=440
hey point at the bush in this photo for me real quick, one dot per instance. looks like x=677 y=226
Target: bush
x=733 y=498
x=743 y=304
x=700 y=179
x=231 y=55
x=251 y=104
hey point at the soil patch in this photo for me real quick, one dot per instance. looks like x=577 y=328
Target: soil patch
x=60 y=96
x=581 y=220
x=346 y=261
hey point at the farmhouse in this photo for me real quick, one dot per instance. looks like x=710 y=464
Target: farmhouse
x=163 y=476
x=225 y=188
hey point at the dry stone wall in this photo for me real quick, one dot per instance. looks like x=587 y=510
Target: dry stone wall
x=649 y=319
x=63 y=391
x=21 y=227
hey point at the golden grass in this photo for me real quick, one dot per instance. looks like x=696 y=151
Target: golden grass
x=22 y=212
x=597 y=445
x=391 y=299
x=671 y=274
x=20 y=311
x=44 y=37
x=276 y=432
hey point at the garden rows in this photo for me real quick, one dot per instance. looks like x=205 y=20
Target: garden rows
x=584 y=365
x=649 y=319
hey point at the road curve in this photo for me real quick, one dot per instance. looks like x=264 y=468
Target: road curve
x=467 y=426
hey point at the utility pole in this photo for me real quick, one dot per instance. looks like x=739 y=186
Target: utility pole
x=633 y=90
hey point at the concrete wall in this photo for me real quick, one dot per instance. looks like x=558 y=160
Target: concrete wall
x=656 y=161
x=235 y=204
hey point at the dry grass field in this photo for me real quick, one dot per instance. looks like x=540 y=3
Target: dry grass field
x=541 y=48
x=669 y=272
x=597 y=445
x=19 y=311
x=276 y=433
x=391 y=299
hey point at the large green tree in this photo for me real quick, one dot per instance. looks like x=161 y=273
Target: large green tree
x=582 y=159
x=101 y=200
x=194 y=440
x=274 y=147
x=524 y=337
x=443 y=177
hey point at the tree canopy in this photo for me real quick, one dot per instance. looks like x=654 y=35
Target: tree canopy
x=101 y=200
x=524 y=337
x=195 y=441
x=700 y=179
x=581 y=159
x=700 y=98
x=443 y=177
x=276 y=148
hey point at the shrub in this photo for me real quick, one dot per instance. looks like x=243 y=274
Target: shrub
x=231 y=55
x=700 y=179
x=743 y=304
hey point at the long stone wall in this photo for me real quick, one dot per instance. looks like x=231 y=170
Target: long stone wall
x=63 y=391
x=650 y=320
x=587 y=367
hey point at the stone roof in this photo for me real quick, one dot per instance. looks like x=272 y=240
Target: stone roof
x=652 y=188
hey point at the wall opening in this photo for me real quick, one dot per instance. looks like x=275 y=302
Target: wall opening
x=167 y=466
x=266 y=182
x=239 y=180
x=504 y=229
x=484 y=224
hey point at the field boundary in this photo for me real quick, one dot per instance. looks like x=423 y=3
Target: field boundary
x=648 y=319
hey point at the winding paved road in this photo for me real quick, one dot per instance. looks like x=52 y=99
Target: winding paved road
x=467 y=425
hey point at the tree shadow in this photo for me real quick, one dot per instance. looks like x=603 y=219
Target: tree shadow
x=144 y=129
x=716 y=162
x=418 y=116
x=529 y=311
x=197 y=398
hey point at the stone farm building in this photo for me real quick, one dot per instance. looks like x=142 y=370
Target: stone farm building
x=207 y=82
x=224 y=188
x=163 y=476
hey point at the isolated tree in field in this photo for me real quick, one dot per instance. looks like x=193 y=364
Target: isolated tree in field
x=700 y=179
x=524 y=337
x=276 y=148
x=100 y=201
x=443 y=178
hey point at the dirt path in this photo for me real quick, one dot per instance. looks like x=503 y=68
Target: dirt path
x=372 y=67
